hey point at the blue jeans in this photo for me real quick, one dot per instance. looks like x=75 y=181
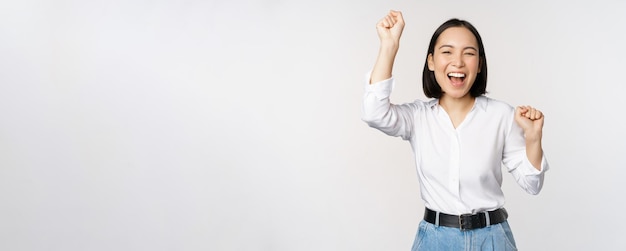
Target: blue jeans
x=496 y=237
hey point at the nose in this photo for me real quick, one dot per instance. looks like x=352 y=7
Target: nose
x=457 y=61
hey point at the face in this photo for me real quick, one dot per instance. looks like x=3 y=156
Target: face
x=455 y=62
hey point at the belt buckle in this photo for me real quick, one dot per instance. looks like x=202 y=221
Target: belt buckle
x=465 y=222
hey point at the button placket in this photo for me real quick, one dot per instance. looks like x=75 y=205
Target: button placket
x=454 y=169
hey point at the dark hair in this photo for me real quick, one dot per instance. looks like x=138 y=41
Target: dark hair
x=431 y=88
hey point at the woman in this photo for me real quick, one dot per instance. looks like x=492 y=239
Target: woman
x=460 y=138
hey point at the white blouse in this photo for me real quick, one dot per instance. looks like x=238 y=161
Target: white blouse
x=460 y=170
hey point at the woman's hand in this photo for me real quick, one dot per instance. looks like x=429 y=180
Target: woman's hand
x=389 y=31
x=390 y=27
x=530 y=120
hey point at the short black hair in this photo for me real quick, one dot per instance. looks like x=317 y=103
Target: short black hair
x=430 y=85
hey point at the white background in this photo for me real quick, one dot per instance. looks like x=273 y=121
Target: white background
x=235 y=125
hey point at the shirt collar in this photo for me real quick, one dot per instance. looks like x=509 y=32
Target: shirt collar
x=480 y=103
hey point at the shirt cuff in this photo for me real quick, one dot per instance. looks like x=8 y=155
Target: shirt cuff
x=533 y=171
x=381 y=89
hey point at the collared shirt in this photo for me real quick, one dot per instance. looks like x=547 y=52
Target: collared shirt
x=459 y=169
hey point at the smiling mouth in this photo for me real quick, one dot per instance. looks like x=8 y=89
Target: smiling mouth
x=456 y=78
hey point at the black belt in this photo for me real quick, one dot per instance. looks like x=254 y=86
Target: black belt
x=467 y=221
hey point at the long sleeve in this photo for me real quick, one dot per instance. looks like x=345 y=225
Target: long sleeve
x=379 y=113
x=514 y=158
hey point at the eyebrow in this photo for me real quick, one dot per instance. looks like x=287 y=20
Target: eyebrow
x=450 y=46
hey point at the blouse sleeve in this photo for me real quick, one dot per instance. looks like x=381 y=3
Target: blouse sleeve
x=515 y=159
x=379 y=113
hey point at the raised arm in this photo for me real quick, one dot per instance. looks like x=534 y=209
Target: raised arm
x=523 y=155
x=389 y=31
x=378 y=112
x=531 y=121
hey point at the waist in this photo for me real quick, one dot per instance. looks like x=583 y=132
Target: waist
x=466 y=221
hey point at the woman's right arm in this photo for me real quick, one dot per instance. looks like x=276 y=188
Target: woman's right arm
x=378 y=112
x=389 y=31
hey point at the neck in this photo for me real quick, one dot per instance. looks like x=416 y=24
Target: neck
x=462 y=104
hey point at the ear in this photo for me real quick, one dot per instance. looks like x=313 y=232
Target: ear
x=431 y=63
x=480 y=65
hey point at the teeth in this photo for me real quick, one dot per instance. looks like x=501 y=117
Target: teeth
x=456 y=75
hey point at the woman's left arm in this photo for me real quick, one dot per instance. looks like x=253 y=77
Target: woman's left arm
x=531 y=121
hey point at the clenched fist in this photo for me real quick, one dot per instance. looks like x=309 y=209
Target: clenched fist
x=530 y=120
x=390 y=27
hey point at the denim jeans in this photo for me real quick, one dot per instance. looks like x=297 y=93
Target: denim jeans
x=496 y=237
